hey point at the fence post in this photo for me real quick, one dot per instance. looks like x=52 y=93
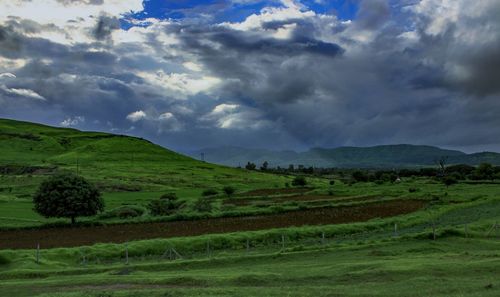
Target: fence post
x=38 y=253
x=126 y=253
x=84 y=258
x=208 y=249
x=395 y=229
x=282 y=242
x=322 y=237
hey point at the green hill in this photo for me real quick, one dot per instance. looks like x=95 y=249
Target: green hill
x=383 y=156
x=128 y=170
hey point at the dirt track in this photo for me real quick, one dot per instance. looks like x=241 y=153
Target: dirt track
x=70 y=237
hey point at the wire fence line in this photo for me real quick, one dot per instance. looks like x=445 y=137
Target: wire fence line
x=281 y=244
x=458 y=219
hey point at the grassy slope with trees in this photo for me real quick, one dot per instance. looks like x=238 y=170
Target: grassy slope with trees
x=127 y=170
x=131 y=170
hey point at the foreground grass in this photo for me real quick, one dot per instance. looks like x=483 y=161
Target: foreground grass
x=406 y=267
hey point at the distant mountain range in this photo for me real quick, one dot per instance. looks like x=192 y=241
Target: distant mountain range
x=383 y=156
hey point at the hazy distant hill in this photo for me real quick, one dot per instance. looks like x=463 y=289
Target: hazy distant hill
x=401 y=155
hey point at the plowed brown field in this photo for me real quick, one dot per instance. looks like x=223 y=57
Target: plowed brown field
x=70 y=237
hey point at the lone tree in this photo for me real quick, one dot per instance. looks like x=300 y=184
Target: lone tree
x=250 y=166
x=67 y=196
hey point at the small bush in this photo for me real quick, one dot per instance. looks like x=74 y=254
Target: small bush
x=167 y=204
x=449 y=180
x=412 y=190
x=209 y=192
x=127 y=213
x=228 y=190
x=332 y=182
x=299 y=181
x=203 y=204
x=4 y=260
x=123 y=212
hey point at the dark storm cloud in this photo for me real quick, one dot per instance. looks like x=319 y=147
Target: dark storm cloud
x=105 y=26
x=384 y=93
x=255 y=63
x=383 y=78
x=372 y=14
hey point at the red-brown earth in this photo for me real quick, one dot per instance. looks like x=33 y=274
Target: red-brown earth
x=71 y=237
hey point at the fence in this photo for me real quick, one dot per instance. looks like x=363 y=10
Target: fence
x=281 y=243
x=458 y=219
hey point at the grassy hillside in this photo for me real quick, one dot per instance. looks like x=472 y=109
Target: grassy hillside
x=388 y=156
x=128 y=170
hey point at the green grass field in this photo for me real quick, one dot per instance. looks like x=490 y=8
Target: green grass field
x=128 y=170
x=366 y=258
x=407 y=267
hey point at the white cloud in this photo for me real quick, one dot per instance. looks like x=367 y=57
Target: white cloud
x=73 y=20
x=26 y=93
x=224 y=108
x=166 y=116
x=180 y=85
x=70 y=122
x=7 y=75
x=168 y=122
x=291 y=10
x=234 y=116
x=192 y=66
x=136 y=116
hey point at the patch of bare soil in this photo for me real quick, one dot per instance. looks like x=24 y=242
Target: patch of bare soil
x=71 y=237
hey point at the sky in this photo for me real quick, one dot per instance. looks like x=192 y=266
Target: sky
x=277 y=74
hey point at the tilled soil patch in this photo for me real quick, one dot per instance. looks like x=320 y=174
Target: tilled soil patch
x=71 y=237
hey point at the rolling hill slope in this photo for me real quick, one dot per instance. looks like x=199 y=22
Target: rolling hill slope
x=116 y=163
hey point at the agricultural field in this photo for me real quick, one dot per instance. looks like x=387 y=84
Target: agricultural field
x=267 y=236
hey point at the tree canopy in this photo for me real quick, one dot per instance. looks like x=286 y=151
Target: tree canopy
x=67 y=196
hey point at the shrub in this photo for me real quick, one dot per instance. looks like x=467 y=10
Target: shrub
x=449 y=180
x=412 y=190
x=167 y=204
x=209 y=192
x=67 y=196
x=4 y=260
x=203 y=204
x=228 y=190
x=299 y=181
x=360 y=176
x=126 y=211
x=332 y=182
